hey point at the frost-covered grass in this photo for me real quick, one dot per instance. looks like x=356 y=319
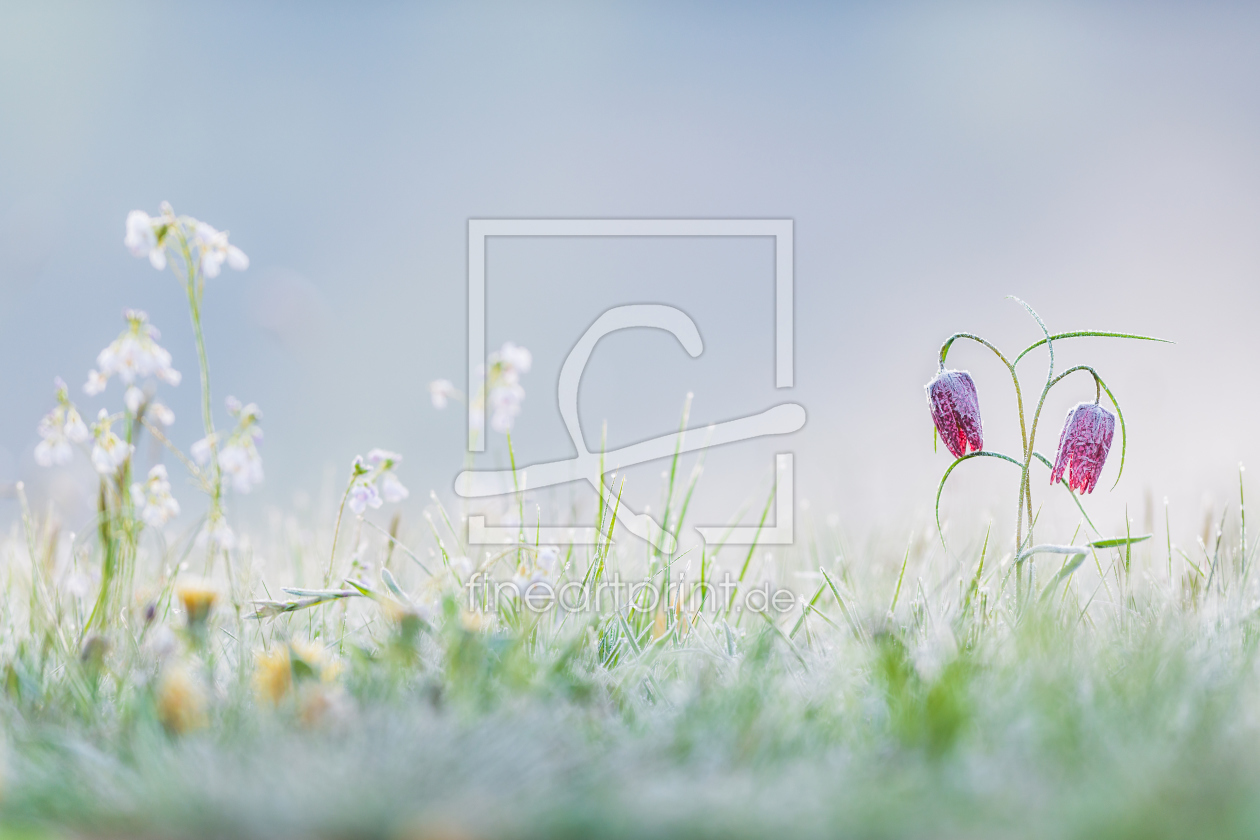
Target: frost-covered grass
x=1123 y=705
x=165 y=674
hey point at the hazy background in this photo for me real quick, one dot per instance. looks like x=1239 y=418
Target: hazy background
x=1098 y=160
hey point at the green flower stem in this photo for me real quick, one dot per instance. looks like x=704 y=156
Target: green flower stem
x=1023 y=434
x=332 y=555
x=194 y=286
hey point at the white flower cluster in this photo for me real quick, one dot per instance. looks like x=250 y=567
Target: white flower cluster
x=504 y=385
x=503 y=391
x=375 y=481
x=58 y=429
x=153 y=498
x=238 y=456
x=135 y=354
x=149 y=236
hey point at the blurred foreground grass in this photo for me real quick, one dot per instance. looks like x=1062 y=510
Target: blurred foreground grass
x=1124 y=704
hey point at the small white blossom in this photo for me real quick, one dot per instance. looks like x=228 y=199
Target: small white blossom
x=382 y=459
x=548 y=558
x=95 y=383
x=503 y=387
x=241 y=463
x=441 y=391
x=110 y=452
x=201 y=451
x=505 y=403
x=392 y=489
x=143 y=240
x=135 y=354
x=153 y=497
x=363 y=495
x=527 y=575
x=516 y=358
x=133 y=399
x=161 y=413
x=238 y=455
x=215 y=250
x=59 y=429
x=216 y=533
x=377 y=468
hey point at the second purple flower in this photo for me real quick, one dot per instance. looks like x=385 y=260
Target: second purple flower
x=1083 y=446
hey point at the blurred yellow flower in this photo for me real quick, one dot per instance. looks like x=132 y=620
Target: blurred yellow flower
x=181 y=702
x=274 y=674
x=197 y=597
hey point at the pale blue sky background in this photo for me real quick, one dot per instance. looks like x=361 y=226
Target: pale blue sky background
x=1099 y=160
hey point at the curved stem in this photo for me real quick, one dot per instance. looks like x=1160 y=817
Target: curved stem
x=1023 y=433
x=332 y=555
x=1031 y=441
x=949 y=342
x=983 y=453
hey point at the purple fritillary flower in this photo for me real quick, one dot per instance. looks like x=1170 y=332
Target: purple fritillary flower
x=956 y=411
x=1083 y=446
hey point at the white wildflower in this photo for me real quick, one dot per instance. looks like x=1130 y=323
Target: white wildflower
x=363 y=495
x=59 y=429
x=95 y=383
x=376 y=468
x=133 y=399
x=238 y=458
x=215 y=250
x=144 y=238
x=531 y=575
x=110 y=452
x=503 y=387
x=153 y=497
x=201 y=451
x=241 y=463
x=161 y=413
x=135 y=354
x=392 y=489
x=382 y=458
x=516 y=358
x=548 y=558
x=216 y=533
x=441 y=391
x=505 y=402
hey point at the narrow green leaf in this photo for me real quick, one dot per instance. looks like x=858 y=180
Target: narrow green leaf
x=1082 y=333
x=1119 y=541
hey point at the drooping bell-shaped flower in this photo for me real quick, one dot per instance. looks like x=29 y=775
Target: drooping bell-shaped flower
x=955 y=409
x=1083 y=446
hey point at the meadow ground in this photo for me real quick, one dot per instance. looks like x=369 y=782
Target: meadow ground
x=1120 y=702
